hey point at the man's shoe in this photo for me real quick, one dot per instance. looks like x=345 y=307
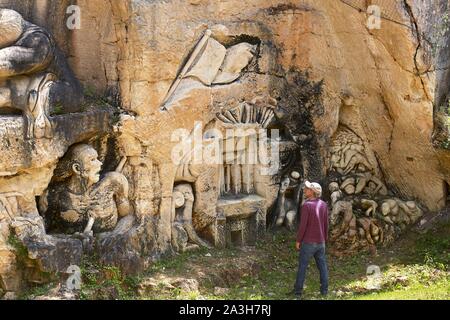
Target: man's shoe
x=295 y=293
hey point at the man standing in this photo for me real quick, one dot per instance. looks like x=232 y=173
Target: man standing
x=312 y=236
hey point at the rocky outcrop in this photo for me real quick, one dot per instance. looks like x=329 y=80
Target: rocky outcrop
x=379 y=70
x=354 y=106
x=27 y=169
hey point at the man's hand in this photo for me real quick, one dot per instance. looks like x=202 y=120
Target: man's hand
x=298 y=246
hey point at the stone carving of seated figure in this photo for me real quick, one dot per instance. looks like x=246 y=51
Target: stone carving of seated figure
x=184 y=236
x=78 y=201
x=34 y=75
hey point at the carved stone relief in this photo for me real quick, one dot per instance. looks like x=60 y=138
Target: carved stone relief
x=364 y=213
x=184 y=236
x=211 y=63
x=149 y=206
x=34 y=77
x=289 y=200
x=348 y=154
x=79 y=201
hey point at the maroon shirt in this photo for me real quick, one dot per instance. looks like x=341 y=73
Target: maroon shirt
x=313 y=222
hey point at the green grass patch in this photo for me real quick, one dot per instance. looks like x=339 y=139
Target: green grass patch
x=103 y=282
x=415 y=267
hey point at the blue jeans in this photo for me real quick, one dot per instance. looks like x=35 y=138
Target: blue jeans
x=307 y=251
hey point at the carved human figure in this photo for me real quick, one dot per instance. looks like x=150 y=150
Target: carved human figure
x=287 y=207
x=34 y=75
x=78 y=201
x=184 y=236
x=363 y=183
x=342 y=214
x=344 y=233
x=413 y=210
x=348 y=185
x=389 y=210
x=348 y=154
x=354 y=157
x=396 y=211
x=369 y=206
x=370 y=230
x=336 y=193
x=368 y=183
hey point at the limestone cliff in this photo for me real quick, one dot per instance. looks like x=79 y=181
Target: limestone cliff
x=397 y=75
x=357 y=106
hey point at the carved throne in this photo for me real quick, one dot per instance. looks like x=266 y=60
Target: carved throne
x=242 y=206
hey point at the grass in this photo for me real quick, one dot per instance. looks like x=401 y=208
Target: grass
x=437 y=291
x=92 y=97
x=20 y=250
x=57 y=110
x=415 y=267
x=105 y=282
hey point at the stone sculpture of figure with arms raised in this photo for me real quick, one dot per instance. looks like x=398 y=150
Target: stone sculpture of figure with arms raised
x=79 y=201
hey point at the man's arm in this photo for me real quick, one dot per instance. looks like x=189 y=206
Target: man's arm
x=303 y=223
x=326 y=222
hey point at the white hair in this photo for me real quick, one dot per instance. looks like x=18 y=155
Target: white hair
x=318 y=194
x=11 y=27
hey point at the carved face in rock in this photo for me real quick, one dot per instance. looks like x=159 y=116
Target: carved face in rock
x=285 y=184
x=349 y=186
x=371 y=187
x=178 y=199
x=334 y=186
x=86 y=164
x=11 y=27
x=186 y=191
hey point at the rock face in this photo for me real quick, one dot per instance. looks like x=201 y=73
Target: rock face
x=378 y=73
x=26 y=176
x=305 y=90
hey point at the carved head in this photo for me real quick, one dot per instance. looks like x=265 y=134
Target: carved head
x=285 y=184
x=86 y=163
x=385 y=208
x=81 y=161
x=411 y=205
x=295 y=175
x=178 y=199
x=11 y=27
x=186 y=191
x=334 y=186
x=349 y=186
